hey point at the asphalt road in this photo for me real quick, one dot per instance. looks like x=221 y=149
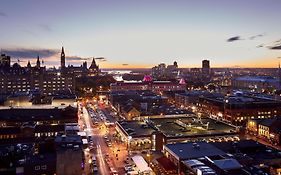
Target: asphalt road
x=98 y=139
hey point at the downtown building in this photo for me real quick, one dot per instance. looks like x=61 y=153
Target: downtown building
x=16 y=79
x=148 y=84
x=161 y=71
x=256 y=83
x=236 y=108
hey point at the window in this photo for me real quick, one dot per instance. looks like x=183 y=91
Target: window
x=37 y=168
x=43 y=167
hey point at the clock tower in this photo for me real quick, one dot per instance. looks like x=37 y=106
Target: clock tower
x=62 y=58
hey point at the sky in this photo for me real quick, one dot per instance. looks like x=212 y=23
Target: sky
x=143 y=33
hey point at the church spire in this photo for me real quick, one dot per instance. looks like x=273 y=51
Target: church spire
x=38 y=62
x=94 y=64
x=94 y=69
x=62 y=58
x=28 y=64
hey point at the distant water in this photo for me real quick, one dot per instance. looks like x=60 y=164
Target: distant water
x=117 y=72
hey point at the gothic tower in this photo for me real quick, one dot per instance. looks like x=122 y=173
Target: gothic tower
x=38 y=62
x=94 y=68
x=62 y=58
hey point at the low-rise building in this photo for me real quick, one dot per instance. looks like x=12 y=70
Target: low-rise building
x=17 y=116
x=267 y=129
x=69 y=155
x=153 y=133
x=223 y=158
x=147 y=84
x=257 y=83
x=240 y=107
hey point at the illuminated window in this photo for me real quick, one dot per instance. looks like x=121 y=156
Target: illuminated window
x=43 y=167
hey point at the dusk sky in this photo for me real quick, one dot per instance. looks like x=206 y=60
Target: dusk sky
x=143 y=33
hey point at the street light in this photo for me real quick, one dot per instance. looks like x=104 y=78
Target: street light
x=129 y=143
x=148 y=156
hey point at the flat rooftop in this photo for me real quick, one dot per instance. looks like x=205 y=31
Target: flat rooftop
x=177 y=127
x=191 y=127
x=136 y=128
x=184 y=151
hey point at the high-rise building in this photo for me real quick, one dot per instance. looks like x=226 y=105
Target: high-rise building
x=206 y=67
x=161 y=71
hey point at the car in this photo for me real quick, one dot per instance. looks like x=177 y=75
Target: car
x=127 y=169
x=113 y=171
x=236 y=138
x=95 y=169
x=144 y=152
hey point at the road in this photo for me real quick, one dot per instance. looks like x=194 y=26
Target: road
x=98 y=139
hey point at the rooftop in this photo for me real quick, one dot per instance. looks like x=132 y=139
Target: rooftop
x=28 y=114
x=191 y=126
x=136 y=128
x=188 y=150
x=257 y=78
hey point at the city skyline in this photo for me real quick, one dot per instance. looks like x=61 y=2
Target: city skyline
x=143 y=34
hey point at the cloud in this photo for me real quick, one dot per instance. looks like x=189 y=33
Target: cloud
x=276 y=47
x=256 y=36
x=25 y=53
x=237 y=38
x=259 y=46
x=45 y=27
x=101 y=59
x=125 y=64
x=76 y=58
x=3 y=14
x=232 y=39
x=278 y=41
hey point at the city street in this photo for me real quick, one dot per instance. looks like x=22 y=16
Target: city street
x=110 y=154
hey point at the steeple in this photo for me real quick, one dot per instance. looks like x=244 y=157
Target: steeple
x=28 y=64
x=94 y=68
x=62 y=58
x=93 y=65
x=38 y=62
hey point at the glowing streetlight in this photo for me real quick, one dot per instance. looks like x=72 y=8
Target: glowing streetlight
x=129 y=142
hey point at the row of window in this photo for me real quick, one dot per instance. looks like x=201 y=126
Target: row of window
x=46 y=134
x=54 y=82
x=42 y=167
x=7 y=136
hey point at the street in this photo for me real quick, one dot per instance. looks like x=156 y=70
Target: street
x=110 y=154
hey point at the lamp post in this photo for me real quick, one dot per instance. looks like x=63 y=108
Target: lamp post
x=148 y=155
x=129 y=144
